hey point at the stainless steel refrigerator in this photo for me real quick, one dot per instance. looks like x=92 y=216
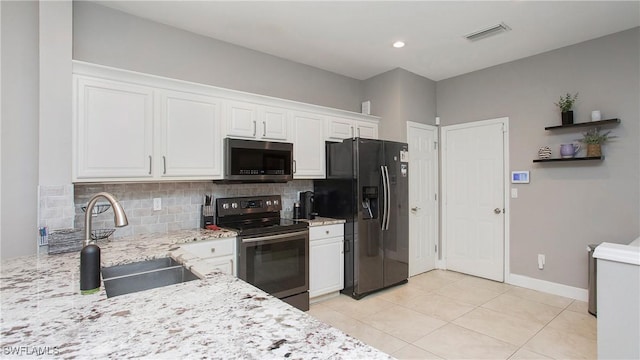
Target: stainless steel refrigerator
x=367 y=185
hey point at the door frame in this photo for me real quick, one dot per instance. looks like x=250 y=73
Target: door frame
x=506 y=184
x=437 y=179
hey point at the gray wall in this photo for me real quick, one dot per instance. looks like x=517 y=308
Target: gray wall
x=398 y=96
x=105 y=36
x=570 y=205
x=19 y=127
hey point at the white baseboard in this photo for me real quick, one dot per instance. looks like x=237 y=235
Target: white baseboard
x=548 y=287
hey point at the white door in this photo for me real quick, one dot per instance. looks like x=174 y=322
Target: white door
x=308 y=146
x=190 y=135
x=112 y=112
x=423 y=201
x=366 y=130
x=241 y=119
x=274 y=123
x=473 y=185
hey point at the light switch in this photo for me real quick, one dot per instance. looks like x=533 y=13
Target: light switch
x=514 y=193
x=157 y=204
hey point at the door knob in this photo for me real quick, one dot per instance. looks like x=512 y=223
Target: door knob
x=497 y=210
x=415 y=208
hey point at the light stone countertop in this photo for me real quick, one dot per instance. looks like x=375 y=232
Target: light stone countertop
x=320 y=221
x=218 y=317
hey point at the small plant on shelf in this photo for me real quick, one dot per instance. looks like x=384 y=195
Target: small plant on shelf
x=566 y=102
x=594 y=140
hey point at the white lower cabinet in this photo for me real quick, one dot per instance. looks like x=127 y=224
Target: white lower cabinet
x=326 y=259
x=220 y=253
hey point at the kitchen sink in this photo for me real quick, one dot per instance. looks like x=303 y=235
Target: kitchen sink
x=144 y=275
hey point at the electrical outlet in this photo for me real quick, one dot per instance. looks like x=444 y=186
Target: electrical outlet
x=157 y=204
x=541 y=261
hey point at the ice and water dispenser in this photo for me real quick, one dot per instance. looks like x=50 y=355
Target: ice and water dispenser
x=370 y=202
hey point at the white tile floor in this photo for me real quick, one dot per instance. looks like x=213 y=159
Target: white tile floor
x=448 y=315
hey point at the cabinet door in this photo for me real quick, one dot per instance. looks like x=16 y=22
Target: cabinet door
x=113 y=129
x=308 y=146
x=326 y=266
x=241 y=120
x=224 y=264
x=339 y=129
x=273 y=123
x=366 y=130
x=190 y=135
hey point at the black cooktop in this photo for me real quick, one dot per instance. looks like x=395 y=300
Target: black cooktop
x=257 y=215
x=266 y=227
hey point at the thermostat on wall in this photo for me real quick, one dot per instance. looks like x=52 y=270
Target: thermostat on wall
x=519 y=177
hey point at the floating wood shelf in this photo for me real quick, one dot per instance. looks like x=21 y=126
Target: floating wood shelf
x=570 y=159
x=585 y=124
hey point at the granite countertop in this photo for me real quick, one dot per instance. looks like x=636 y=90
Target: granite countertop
x=219 y=316
x=319 y=221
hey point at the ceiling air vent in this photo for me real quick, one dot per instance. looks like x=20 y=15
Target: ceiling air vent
x=490 y=31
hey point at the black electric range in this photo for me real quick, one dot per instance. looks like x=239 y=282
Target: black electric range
x=273 y=253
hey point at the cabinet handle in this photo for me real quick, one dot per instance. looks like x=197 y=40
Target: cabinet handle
x=164 y=164
x=254 y=128
x=327 y=232
x=233 y=271
x=358 y=132
x=149 y=164
x=213 y=250
x=352 y=134
x=264 y=128
x=294 y=166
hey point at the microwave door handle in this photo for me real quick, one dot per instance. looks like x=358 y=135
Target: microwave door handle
x=264 y=129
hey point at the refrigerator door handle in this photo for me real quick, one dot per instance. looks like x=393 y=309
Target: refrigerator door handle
x=388 y=197
x=384 y=197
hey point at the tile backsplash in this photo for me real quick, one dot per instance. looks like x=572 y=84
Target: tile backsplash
x=56 y=209
x=180 y=202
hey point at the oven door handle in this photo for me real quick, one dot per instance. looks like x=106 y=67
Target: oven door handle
x=274 y=237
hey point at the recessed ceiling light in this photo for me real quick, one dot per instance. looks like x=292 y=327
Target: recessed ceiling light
x=398 y=44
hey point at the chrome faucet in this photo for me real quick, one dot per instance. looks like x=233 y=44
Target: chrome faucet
x=119 y=217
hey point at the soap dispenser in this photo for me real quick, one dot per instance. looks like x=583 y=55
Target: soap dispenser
x=89 y=269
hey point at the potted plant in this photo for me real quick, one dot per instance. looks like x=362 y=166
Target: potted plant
x=594 y=140
x=566 y=105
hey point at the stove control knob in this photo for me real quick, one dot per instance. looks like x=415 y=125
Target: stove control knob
x=225 y=206
x=275 y=202
x=268 y=202
x=234 y=205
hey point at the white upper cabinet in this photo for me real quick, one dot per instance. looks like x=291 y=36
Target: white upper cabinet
x=190 y=135
x=130 y=126
x=366 y=129
x=308 y=146
x=339 y=129
x=256 y=122
x=113 y=130
x=274 y=123
x=242 y=119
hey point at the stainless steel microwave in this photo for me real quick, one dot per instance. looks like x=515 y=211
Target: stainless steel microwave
x=258 y=161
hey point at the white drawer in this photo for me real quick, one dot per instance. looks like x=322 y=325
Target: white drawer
x=326 y=231
x=212 y=248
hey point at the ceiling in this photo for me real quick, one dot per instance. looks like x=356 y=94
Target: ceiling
x=355 y=38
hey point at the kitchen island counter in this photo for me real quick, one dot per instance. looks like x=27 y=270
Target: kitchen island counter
x=216 y=317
